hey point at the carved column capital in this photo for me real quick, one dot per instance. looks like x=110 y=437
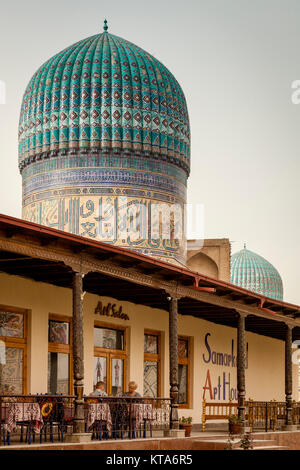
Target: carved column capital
x=242 y=314
x=173 y=294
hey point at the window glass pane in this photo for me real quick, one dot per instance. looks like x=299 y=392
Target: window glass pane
x=183 y=347
x=117 y=368
x=109 y=339
x=183 y=383
x=11 y=371
x=100 y=375
x=11 y=324
x=151 y=344
x=150 y=379
x=59 y=332
x=58 y=373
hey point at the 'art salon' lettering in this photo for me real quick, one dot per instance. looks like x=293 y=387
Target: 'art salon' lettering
x=111 y=311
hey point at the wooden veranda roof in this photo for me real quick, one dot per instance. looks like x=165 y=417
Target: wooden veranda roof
x=49 y=255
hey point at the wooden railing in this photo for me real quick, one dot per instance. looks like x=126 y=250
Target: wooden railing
x=265 y=415
x=215 y=411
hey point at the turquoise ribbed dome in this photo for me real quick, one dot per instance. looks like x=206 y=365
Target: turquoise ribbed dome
x=104 y=94
x=104 y=147
x=255 y=273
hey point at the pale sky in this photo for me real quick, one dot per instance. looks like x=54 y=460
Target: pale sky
x=235 y=60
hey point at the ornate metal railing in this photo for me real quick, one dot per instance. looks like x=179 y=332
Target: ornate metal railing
x=125 y=417
x=48 y=418
x=35 y=418
x=265 y=414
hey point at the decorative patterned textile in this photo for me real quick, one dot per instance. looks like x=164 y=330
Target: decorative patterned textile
x=17 y=412
x=104 y=140
x=58 y=332
x=161 y=416
x=253 y=272
x=141 y=411
x=11 y=324
x=150 y=379
x=11 y=372
x=99 y=412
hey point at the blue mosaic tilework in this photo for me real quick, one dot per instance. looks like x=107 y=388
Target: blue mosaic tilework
x=104 y=93
x=255 y=273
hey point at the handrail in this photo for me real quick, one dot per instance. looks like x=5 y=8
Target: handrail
x=258 y=413
x=213 y=410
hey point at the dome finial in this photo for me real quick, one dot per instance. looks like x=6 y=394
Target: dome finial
x=244 y=246
x=105 y=27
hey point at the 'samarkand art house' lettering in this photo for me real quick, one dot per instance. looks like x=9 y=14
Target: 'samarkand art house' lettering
x=221 y=389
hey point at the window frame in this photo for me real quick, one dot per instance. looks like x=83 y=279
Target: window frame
x=186 y=361
x=154 y=357
x=62 y=348
x=18 y=343
x=110 y=354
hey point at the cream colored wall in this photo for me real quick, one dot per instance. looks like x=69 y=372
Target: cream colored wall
x=264 y=376
x=41 y=299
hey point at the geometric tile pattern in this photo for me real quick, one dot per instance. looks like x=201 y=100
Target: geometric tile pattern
x=104 y=93
x=255 y=273
x=104 y=147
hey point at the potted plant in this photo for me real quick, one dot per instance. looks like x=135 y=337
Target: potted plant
x=234 y=424
x=186 y=424
x=247 y=441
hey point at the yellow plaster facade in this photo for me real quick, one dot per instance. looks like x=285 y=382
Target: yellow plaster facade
x=264 y=374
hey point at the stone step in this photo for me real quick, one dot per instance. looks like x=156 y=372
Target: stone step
x=267 y=448
x=221 y=443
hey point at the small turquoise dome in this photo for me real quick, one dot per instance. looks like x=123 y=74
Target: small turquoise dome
x=255 y=273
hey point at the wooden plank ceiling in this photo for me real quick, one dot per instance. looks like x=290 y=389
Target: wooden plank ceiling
x=58 y=274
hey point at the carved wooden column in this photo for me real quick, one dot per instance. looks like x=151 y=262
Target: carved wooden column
x=173 y=353
x=78 y=364
x=241 y=359
x=288 y=374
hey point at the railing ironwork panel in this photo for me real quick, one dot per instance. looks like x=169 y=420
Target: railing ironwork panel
x=48 y=418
